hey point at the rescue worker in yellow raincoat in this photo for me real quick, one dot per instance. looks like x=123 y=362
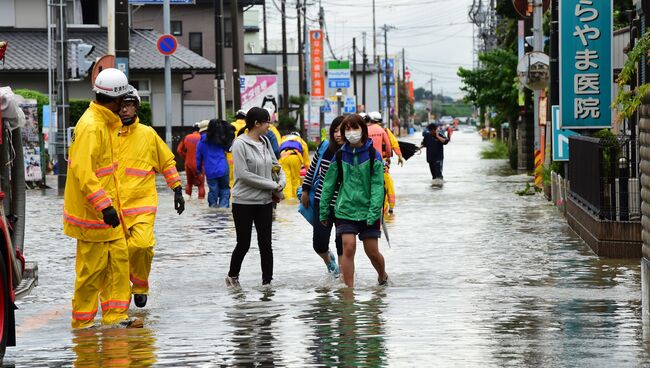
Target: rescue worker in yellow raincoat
x=389 y=184
x=294 y=154
x=142 y=154
x=273 y=134
x=91 y=209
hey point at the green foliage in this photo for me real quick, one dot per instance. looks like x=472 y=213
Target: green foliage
x=496 y=150
x=620 y=18
x=313 y=146
x=491 y=85
x=630 y=101
x=528 y=190
x=286 y=123
x=77 y=108
x=144 y=113
x=40 y=98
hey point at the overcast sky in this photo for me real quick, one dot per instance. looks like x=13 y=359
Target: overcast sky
x=436 y=34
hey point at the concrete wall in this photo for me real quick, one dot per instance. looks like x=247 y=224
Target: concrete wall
x=7 y=13
x=195 y=18
x=30 y=13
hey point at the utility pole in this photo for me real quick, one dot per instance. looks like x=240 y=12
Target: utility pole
x=266 y=45
x=321 y=114
x=122 y=35
x=403 y=87
x=168 y=80
x=389 y=73
x=374 y=35
x=305 y=38
x=354 y=66
x=363 y=72
x=62 y=110
x=285 y=72
x=219 y=82
x=538 y=45
x=301 y=72
x=234 y=21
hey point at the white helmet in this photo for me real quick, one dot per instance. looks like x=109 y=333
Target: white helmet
x=375 y=116
x=363 y=115
x=111 y=82
x=132 y=95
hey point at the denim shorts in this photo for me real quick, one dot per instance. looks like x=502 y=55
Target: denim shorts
x=360 y=228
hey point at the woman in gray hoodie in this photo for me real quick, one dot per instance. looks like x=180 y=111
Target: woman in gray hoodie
x=253 y=193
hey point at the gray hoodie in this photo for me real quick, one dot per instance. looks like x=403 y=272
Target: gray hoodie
x=252 y=170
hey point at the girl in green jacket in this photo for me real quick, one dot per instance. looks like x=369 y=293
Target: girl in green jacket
x=357 y=171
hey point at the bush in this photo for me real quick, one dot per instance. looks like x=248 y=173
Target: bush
x=286 y=123
x=313 y=146
x=497 y=150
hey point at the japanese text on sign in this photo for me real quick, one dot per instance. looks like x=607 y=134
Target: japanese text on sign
x=317 y=69
x=585 y=55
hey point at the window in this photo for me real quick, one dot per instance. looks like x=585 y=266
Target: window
x=144 y=88
x=196 y=42
x=177 y=28
x=83 y=12
x=227 y=32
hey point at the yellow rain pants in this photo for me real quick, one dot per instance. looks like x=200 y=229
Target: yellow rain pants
x=102 y=273
x=141 y=242
x=390 y=190
x=291 y=163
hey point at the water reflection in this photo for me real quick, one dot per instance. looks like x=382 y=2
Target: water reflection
x=254 y=337
x=347 y=331
x=114 y=347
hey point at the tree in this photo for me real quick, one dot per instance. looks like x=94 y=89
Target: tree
x=493 y=84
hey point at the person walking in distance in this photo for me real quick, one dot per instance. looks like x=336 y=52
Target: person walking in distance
x=142 y=154
x=187 y=150
x=211 y=158
x=314 y=179
x=91 y=209
x=253 y=193
x=294 y=155
x=434 y=139
x=357 y=171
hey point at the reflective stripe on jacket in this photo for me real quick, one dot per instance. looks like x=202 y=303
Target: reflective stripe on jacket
x=143 y=154
x=91 y=182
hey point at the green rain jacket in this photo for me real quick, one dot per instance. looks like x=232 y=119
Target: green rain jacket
x=360 y=197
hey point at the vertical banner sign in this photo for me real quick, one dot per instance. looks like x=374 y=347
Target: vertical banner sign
x=259 y=90
x=31 y=142
x=586 y=63
x=391 y=84
x=317 y=64
x=520 y=55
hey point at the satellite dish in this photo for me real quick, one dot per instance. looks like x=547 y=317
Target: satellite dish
x=534 y=70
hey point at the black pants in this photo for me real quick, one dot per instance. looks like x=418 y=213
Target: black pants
x=436 y=169
x=321 y=238
x=245 y=215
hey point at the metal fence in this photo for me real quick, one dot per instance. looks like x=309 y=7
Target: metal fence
x=603 y=179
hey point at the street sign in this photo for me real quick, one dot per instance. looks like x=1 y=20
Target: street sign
x=350 y=105
x=122 y=63
x=560 y=137
x=338 y=74
x=586 y=64
x=317 y=74
x=167 y=44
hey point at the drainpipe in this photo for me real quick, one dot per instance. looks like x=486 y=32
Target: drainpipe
x=183 y=96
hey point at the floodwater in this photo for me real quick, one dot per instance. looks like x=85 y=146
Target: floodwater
x=479 y=277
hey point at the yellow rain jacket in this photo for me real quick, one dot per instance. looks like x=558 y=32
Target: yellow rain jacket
x=394 y=144
x=143 y=154
x=91 y=182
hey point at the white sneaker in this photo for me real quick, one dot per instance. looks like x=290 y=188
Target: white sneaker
x=232 y=282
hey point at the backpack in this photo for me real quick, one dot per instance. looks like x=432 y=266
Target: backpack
x=225 y=134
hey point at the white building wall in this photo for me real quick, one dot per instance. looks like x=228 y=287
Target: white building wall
x=30 y=13
x=7 y=13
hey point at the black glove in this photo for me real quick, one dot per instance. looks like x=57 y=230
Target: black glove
x=179 y=202
x=111 y=217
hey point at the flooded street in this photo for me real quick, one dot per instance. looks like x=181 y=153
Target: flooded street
x=479 y=276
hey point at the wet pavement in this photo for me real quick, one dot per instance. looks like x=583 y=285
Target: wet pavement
x=479 y=277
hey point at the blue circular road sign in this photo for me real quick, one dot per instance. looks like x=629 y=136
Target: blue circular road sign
x=167 y=44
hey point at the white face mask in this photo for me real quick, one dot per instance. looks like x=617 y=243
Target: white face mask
x=353 y=136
